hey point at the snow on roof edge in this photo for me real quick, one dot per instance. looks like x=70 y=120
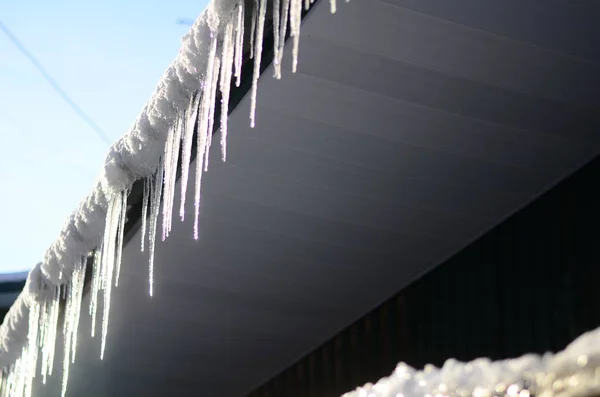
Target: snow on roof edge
x=133 y=157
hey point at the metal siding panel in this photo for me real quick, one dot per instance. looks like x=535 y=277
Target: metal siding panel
x=526 y=286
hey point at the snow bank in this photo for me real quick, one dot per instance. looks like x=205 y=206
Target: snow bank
x=574 y=372
x=181 y=109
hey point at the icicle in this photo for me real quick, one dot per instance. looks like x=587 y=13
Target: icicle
x=14 y=380
x=79 y=283
x=15 y=372
x=111 y=244
x=211 y=111
x=333 y=7
x=282 y=32
x=225 y=84
x=202 y=129
x=260 y=25
x=67 y=329
x=144 y=212
x=108 y=255
x=276 y=38
x=71 y=320
x=253 y=29
x=198 y=187
x=167 y=162
x=10 y=380
x=19 y=379
x=53 y=331
x=30 y=351
x=65 y=379
x=239 y=43
x=295 y=21
x=55 y=309
x=155 y=195
x=50 y=324
x=186 y=152
x=307 y=4
x=43 y=330
x=120 y=235
x=96 y=280
x=171 y=157
x=181 y=127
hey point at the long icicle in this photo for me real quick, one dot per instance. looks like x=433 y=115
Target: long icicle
x=225 y=83
x=19 y=382
x=211 y=111
x=171 y=157
x=202 y=128
x=96 y=284
x=50 y=319
x=167 y=162
x=71 y=320
x=121 y=235
x=79 y=280
x=295 y=21
x=260 y=27
x=31 y=348
x=239 y=43
x=108 y=257
x=67 y=329
x=112 y=242
x=276 y=38
x=186 y=151
x=145 y=198
x=181 y=127
x=282 y=32
x=44 y=317
x=156 y=185
x=253 y=29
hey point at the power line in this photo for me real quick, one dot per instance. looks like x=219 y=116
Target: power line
x=54 y=84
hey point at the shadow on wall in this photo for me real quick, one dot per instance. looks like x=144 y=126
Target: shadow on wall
x=529 y=285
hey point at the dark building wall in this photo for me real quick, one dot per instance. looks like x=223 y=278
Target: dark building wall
x=9 y=289
x=529 y=285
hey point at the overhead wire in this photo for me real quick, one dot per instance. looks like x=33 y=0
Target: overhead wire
x=54 y=84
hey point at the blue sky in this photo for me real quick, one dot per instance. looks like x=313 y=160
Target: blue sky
x=108 y=56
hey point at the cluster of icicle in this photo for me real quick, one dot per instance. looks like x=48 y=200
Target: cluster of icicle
x=181 y=108
x=574 y=372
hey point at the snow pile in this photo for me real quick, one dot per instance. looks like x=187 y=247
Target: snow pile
x=574 y=372
x=181 y=109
